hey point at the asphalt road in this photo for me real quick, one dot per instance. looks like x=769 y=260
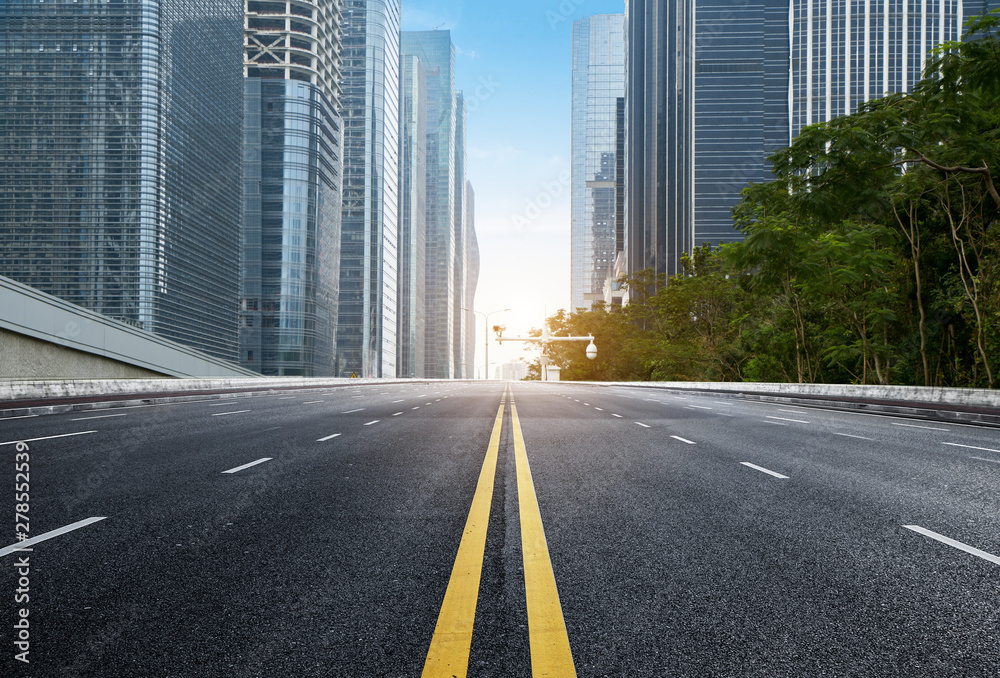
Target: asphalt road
x=688 y=535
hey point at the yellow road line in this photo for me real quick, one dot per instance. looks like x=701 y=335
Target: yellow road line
x=448 y=656
x=549 y=642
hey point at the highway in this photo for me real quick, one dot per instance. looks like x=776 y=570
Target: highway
x=521 y=529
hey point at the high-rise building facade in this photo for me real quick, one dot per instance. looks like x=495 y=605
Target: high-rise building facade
x=471 y=280
x=462 y=242
x=292 y=176
x=412 y=218
x=598 y=83
x=366 y=328
x=714 y=87
x=121 y=147
x=437 y=54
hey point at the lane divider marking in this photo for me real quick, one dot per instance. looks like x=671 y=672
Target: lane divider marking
x=323 y=440
x=954 y=544
x=32 y=440
x=28 y=543
x=970 y=447
x=250 y=465
x=448 y=656
x=764 y=470
x=547 y=635
x=797 y=421
x=683 y=440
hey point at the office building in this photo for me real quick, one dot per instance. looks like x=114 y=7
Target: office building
x=436 y=52
x=412 y=218
x=598 y=84
x=292 y=175
x=366 y=329
x=462 y=369
x=471 y=280
x=715 y=87
x=121 y=147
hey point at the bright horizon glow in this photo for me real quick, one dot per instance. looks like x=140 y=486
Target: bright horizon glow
x=513 y=63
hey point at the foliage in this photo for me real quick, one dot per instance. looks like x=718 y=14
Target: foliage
x=872 y=257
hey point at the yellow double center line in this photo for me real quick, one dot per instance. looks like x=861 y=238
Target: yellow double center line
x=451 y=644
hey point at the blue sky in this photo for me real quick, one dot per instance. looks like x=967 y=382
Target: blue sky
x=513 y=63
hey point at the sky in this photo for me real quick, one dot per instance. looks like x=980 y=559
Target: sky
x=513 y=62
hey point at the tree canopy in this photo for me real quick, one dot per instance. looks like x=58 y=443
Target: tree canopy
x=872 y=257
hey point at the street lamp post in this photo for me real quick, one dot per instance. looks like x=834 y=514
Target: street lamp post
x=486 y=334
x=545 y=340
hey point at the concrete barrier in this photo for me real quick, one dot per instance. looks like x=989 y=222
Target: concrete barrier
x=962 y=405
x=24 y=397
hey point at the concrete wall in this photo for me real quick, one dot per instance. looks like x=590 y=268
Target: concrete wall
x=84 y=344
x=24 y=357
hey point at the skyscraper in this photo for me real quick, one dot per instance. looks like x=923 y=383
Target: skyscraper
x=460 y=328
x=292 y=176
x=437 y=54
x=366 y=329
x=412 y=218
x=598 y=84
x=715 y=87
x=121 y=146
x=471 y=280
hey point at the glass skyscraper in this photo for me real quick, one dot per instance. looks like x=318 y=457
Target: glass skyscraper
x=598 y=83
x=714 y=87
x=437 y=54
x=412 y=218
x=292 y=201
x=121 y=146
x=366 y=329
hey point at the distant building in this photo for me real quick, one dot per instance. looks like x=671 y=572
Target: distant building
x=366 y=329
x=436 y=52
x=292 y=183
x=598 y=84
x=512 y=371
x=411 y=317
x=471 y=280
x=121 y=147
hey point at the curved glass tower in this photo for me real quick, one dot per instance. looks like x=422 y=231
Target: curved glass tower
x=292 y=188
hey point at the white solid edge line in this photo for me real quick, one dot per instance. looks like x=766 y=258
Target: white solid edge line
x=226 y=414
x=970 y=447
x=955 y=544
x=764 y=470
x=33 y=440
x=103 y=416
x=23 y=416
x=27 y=543
x=683 y=440
x=246 y=466
x=323 y=440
